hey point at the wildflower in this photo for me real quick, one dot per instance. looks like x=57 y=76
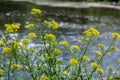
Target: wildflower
x=66 y=72
x=94 y=64
x=101 y=45
x=98 y=53
x=110 y=68
x=100 y=70
x=26 y=41
x=57 y=51
x=73 y=61
x=91 y=32
x=115 y=35
x=15 y=44
x=36 y=11
x=32 y=35
x=85 y=58
x=2 y=43
x=64 y=43
x=44 y=78
x=30 y=26
x=50 y=37
x=75 y=47
x=10 y=28
x=27 y=50
x=15 y=67
x=6 y=50
x=52 y=24
x=1 y=72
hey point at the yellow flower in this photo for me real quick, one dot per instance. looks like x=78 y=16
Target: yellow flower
x=74 y=47
x=73 y=61
x=32 y=35
x=94 y=64
x=64 y=43
x=36 y=11
x=26 y=41
x=15 y=44
x=6 y=50
x=44 y=78
x=10 y=28
x=91 y=32
x=27 y=49
x=100 y=70
x=50 y=37
x=30 y=26
x=85 y=58
x=52 y=24
x=15 y=67
x=98 y=53
x=101 y=45
x=115 y=35
x=1 y=72
x=57 y=51
x=2 y=43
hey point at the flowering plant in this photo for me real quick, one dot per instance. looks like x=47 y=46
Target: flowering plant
x=44 y=62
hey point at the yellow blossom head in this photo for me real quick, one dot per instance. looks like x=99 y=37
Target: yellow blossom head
x=73 y=62
x=94 y=64
x=100 y=70
x=74 y=47
x=57 y=51
x=116 y=35
x=15 y=67
x=35 y=11
x=44 y=78
x=32 y=35
x=26 y=41
x=6 y=50
x=99 y=54
x=64 y=43
x=91 y=32
x=86 y=58
x=10 y=28
x=50 y=37
x=110 y=68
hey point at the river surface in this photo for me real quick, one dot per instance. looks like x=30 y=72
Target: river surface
x=72 y=22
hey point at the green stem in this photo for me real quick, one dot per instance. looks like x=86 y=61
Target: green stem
x=9 y=68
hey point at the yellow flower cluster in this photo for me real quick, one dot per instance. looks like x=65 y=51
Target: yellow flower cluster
x=15 y=44
x=115 y=35
x=50 y=37
x=6 y=50
x=98 y=53
x=119 y=60
x=91 y=32
x=49 y=56
x=101 y=45
x=32 y=35
x=26 y=41
x=94 y=64
x=73 y=61
x=1 y=72
x=52 y=24
x=114 y=48
x=100 y=70
x=57 y=51
x=15 y=67
x=74 y=47
x=35 y=11
x=64 y=43
x=2 y=43
x=86 y=58
x=30 y=26
x=44 y=78
x=10 y=28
